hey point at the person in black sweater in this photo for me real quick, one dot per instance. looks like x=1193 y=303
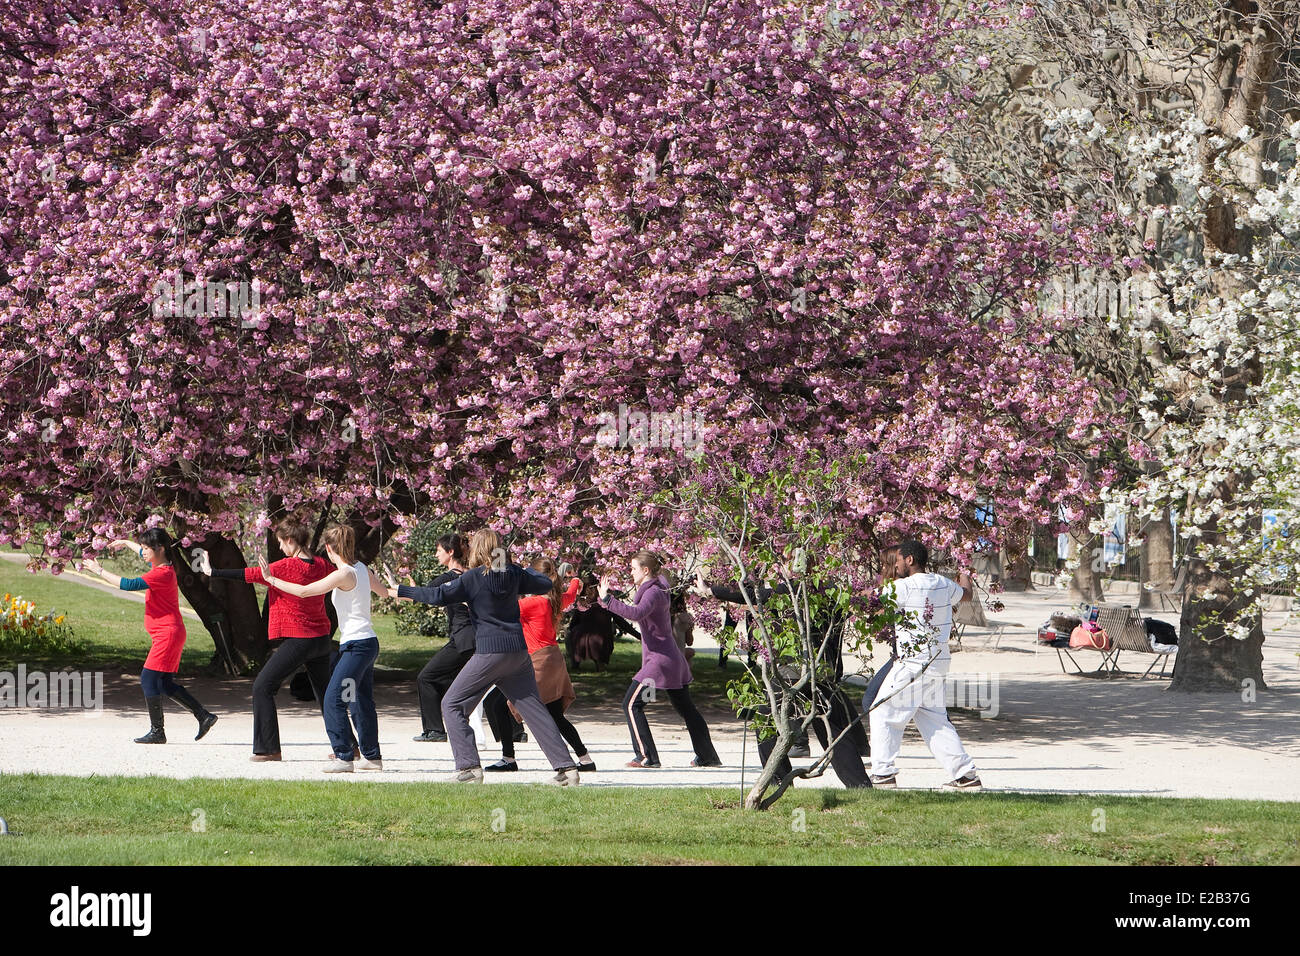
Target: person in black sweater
x=845 y=758
x=491 y=587
x=438 y=674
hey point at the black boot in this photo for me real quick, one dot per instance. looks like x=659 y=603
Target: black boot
x=186 y=700
x=155 y=734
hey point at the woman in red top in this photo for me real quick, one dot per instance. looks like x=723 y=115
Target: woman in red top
x=540 y=615
x=298 y=628
x=162 y=619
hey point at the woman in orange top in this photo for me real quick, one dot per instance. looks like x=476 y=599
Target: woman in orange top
x=540 y=615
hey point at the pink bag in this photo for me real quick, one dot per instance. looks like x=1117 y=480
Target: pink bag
x=1090 y=636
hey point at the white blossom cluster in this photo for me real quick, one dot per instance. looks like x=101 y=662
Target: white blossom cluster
x=1222 y=343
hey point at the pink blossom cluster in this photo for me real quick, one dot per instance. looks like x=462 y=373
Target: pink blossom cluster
x=477 y=227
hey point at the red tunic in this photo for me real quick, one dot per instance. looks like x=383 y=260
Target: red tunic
x=291 y=616
x=162 y=619
x=538 y=621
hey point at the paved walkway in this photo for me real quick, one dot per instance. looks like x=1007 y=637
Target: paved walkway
x=1051 y=733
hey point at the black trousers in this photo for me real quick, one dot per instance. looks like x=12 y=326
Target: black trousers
x=567 y=730
x=845 y=759
x=434 y=679
x=643 y=743
x=504 y=726
x=290 y=654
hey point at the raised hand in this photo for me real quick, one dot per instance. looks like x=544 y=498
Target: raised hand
x=602 y=589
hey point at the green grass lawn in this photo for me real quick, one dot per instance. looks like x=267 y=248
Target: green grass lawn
x=112 y=630
x=120 y=820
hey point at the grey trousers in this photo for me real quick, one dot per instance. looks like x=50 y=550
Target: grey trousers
x=513 y=674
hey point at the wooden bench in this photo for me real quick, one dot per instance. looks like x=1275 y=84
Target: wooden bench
x=1127 y=632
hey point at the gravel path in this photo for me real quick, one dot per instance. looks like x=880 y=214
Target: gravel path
x=1051 y=733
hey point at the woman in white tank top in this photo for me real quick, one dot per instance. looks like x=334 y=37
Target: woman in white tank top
x=352 y=683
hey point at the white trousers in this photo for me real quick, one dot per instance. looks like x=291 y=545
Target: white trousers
x=913 y=691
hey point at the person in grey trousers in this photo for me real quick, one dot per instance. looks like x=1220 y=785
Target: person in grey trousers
x=492 y=587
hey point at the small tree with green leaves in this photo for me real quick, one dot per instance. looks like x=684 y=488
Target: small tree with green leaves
x=787 y=543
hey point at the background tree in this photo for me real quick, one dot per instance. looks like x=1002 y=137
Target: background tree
x=1179 y=120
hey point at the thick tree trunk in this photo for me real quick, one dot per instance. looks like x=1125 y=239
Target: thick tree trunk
x=1018 y=576
x=228 y=609
x=1209 y=658
x=1085 y=585
x=1157 y=559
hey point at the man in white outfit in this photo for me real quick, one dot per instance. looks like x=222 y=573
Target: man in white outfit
x=914 y=688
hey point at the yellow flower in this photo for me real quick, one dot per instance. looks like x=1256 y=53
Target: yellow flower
x=59 y=619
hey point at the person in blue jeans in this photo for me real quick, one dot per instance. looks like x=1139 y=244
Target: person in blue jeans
x=352 y=683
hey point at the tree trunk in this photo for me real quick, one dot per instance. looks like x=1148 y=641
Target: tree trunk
x=1209 y=658
x=766 y=776
x=228 y=609
x=1085 y=585
x=1157 y=558
x=1018 y=576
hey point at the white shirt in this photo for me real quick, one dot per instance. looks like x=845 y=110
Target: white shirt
x=353 y=607
x=912 y=594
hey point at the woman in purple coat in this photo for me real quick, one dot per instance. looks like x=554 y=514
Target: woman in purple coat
x=663 y=667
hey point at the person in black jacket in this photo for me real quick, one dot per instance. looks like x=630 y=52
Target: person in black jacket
x=846 y=759
x=491 y=587
x=438 y=674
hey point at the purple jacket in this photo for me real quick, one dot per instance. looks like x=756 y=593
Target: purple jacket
x=662 y=663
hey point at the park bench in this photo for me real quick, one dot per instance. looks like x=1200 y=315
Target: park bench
x=1127 y=632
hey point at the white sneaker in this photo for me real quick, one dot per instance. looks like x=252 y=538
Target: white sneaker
x=566 y=778
x=367 y=764
x=472 y=775
x=337 y=766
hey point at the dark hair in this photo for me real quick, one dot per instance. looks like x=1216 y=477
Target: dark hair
x=911 y=548
x=292 y=529
x=556 y=595
x=454 y=545
x=158 y=540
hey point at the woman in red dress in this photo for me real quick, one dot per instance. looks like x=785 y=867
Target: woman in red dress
x=162 y=619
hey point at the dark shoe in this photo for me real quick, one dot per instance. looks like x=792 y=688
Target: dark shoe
x=501 y=765
x=969 y=782
x=262 y=758
x=642 y=764
x=155 y=734
x=885 y=783
x=432 y=737
x=698 y=763
x=521 y=737
x=800 y=747
x=205 y=724
x=587 y=767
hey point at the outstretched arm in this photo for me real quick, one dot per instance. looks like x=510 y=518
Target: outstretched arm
x=376 y=585
x=453 y=592
x=534 y=582
x=335 y=579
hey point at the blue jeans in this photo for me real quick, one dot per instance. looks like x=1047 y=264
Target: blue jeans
x=352 y=688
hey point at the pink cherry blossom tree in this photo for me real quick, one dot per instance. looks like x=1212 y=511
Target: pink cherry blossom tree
x=531 y=261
